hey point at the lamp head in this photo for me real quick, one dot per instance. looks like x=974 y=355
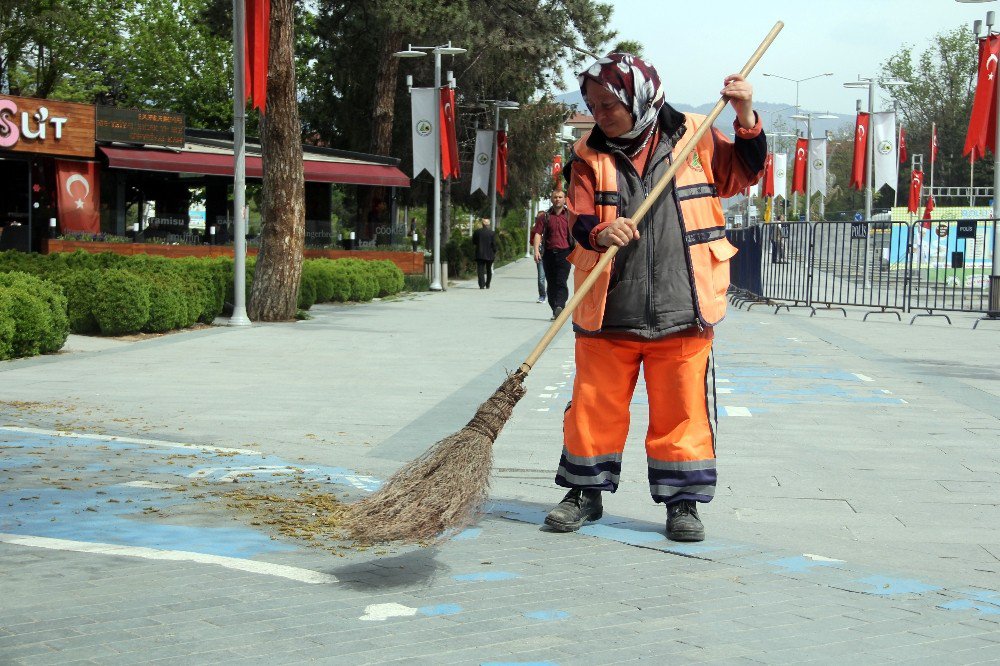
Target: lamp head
x=409 y=53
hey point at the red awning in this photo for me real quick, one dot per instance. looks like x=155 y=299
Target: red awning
x=221 y=164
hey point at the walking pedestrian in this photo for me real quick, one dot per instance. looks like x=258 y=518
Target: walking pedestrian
x=485 y=243
x=655 y=305
x=542 y=294
x=778 y=234
x=553 y=242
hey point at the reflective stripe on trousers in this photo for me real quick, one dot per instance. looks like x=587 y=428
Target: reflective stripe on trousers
x=679 y=373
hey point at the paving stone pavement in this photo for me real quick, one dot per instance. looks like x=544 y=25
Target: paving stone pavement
x=856 y=517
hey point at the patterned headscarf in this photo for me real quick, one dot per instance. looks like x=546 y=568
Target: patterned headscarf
x=636 y=83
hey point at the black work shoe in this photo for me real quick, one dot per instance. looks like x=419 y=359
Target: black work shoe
x=683 y=523
x=555 y=313
x=578 y=507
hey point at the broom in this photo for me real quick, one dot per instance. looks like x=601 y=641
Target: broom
x=443 y=490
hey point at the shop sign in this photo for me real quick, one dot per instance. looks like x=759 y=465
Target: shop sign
x=46 y=126
x=159 y=128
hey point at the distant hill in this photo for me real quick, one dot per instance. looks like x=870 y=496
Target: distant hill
x=775 y=115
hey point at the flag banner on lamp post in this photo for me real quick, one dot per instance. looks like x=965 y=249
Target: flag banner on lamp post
x=929 y=207
x=861 y=129
x=884 y=140
x=258 y=38
x=78 y=196
x=916 y=184
x=934 y=143
x=423 y=119
x=801 y=162
x=769 y=175
x=817 y=164
x=982 y=121
x=502 y=163
x=449 y=135
x=481 y=161
x=556 y=170
x=902 y=145
x=754 y=190
x=780 y=177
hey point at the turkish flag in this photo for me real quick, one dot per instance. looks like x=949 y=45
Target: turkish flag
x=916 y=184
x=502 y=163
x=982 y=122
x=79 y=196
x=769 y=175
x=449 y=135
x=858 y=170
x=801 y=164
x=258 y=40
x=556 y=170
x=929 y=207
x=902 y=145
x=934 y=144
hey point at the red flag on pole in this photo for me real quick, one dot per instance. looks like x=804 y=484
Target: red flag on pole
x=861 y=129
x=449 y=135
x=929 y=207
x=801 y=164
x=556 y=170
x=258 y=31
x=916 y=184
x=934 y=143
x=769 y=176
x=79 y=196
x=902 y=146
x=502 y=163
x=982 y=122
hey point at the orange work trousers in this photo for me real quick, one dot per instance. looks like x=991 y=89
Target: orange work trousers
x=679 y=372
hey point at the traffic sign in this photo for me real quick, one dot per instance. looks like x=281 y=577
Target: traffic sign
x=858 y=217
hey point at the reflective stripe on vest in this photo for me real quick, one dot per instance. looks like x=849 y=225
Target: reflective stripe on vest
x=702 y=223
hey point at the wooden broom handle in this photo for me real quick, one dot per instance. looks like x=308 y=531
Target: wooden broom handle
x=651 y=198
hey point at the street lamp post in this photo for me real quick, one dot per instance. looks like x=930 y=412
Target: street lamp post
x=993 y=307
x=795 y=196
x=497 y=105
x=438 y=51
x=808 y=118
x=869 y=83
x=239 y=316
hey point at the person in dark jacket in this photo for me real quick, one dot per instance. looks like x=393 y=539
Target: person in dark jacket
x=654 y=307
x=485 y=243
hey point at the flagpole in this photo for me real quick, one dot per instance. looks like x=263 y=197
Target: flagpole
x=993 y=311
x=239 y=316
x=899 y=139
x=933 y=155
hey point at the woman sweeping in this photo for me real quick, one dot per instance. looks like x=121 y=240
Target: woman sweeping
x=656 y=304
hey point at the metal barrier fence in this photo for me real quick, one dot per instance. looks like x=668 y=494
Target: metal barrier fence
x=891 y=267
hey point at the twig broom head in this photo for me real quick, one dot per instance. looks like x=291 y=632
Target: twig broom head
x=442 y=490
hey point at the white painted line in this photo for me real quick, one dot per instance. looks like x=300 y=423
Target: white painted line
x=250 y=566
x=887 y=391
x=160 y=485
x=737 y=411
x=864 y=378
x=131 y=440
x=721 y=381
x=545 y=395
x=723 y=390
x=820 y=558
x=542 y=409
x=551 y=388
x=382 y=612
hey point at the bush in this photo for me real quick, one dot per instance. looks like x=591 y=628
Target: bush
x=121 y=303
x=307 y=288
x=416 y=282
x=35 y=310
x=168 y=303
x=80 y=287
x=388 y=276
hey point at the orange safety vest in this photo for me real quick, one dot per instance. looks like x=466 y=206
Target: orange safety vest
x=708 y=253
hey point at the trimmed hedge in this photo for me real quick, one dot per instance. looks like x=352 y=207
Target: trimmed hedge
x=33 y=316
x=44 y=297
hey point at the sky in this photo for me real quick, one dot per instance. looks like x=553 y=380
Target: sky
x=693 y=46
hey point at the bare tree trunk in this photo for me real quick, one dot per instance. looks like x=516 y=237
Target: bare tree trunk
x=275 y=290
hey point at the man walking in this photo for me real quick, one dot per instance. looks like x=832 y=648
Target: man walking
x=553 y=243
x=485 y=242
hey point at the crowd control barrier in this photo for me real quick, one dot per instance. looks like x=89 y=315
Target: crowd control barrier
x=928 y=267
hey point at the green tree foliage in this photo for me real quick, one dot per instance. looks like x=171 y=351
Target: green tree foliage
x=941 y=85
